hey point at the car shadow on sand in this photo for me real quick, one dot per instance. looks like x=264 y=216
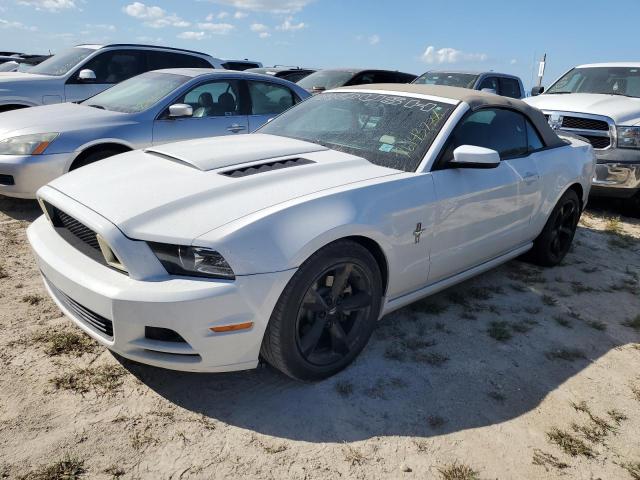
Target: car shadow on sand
x=19 y=209
x=481 y=353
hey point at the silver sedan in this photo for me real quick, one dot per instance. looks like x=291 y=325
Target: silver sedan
x=41 y=143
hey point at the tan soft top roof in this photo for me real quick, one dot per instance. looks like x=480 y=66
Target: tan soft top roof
x=475 y=99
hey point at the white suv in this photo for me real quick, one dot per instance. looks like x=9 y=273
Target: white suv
x=85 y=70
x=601 y=102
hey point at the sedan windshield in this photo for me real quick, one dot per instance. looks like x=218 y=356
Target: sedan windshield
x=138 y=93
x=326 y=79
x=462 y=80
x=387 y=130
x=606 y=80
x=63 y=62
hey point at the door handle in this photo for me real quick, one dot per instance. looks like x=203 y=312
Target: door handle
x=235 y=128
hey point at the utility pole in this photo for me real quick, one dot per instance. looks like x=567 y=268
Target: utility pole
x=541 y=69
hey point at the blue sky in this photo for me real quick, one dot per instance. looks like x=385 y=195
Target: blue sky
x=407 y=35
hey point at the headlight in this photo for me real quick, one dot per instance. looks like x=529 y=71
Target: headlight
x=628 y=137
x=192 y=261
x=27 y=144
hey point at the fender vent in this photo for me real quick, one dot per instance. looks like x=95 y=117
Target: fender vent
x=266 y=167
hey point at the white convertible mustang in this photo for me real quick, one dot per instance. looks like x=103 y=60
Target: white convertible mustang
x=290 y=243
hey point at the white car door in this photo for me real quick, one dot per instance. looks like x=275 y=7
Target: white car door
x=482 y=213
x=218 y=109
x=109 y=67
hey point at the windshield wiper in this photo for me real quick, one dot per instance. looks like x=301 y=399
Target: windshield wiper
x=96 y=106
x=559 y=92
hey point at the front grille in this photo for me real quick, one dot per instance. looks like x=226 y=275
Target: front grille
x=7 y=180
x=597 y=142
x=95 y=322
x=77 y=229
x=585 y=123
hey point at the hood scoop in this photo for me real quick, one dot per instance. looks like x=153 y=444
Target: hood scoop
x=222 y=152
x=266 y=167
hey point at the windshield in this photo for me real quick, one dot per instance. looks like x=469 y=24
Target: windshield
x=137 y=93
x=63 y=62
x=606 y=80
x=387 y=130
x=463 y=80
x=326 y=79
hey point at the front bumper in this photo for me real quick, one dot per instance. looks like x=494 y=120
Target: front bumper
x=188 y=306
x=615 y=178
x=28 y=173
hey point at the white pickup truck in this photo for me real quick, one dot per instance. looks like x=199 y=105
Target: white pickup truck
x=601 y=102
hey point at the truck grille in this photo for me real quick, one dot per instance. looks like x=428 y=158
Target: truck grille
x=585 y=123
x=95 y=322
x=597 y=142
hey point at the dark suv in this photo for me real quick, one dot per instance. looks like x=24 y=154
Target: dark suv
x=327 y=79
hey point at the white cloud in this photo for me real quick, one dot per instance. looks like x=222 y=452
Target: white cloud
x=154 y=16
x=222 y=15
x=273 y=6
x=192 y=35
x=513 y=61
x=374 y=39
x=258 y=27
x=451 y=55
x=216 y=28
x=101 y=26
x=238 y=15
x=289 y=26
x=264 y=35
x=16 y=25
x=49 y=5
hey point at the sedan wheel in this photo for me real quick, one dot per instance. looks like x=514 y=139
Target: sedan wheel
x=326 y=314
x=554 y=241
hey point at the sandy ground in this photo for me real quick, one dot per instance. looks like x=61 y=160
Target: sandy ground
x=488 y=377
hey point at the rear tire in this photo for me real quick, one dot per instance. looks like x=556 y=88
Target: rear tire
x=93 y=157
x=554 y=241
x=326 y=313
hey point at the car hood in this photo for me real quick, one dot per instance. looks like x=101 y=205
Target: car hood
x=56 y=118
x=180 y=191
x=623 y=110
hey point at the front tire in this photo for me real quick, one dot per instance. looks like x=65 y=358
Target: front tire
x=554 y=241
x=326 y=313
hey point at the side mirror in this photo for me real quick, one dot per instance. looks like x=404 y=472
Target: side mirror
x=471 y=156
x=180 y=110
x=318 y=89
x=535 y=91
x=489 y=90
x=87 y=75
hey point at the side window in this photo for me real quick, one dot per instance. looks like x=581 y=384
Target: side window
x=269 y=98
x=159 y=60
x=214 y=99
x=489 y=82
x=117 y=65
x=498 y=129
x=294 y=77
x=533 y=139
x=363 y=78
x=510 y=87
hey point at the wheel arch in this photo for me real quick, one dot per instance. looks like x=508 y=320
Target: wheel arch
x=13 y=106
x=576 y=187
x=374 y=249
x=97 y=147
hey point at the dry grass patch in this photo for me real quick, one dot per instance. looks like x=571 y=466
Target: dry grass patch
x=430 y=358
x=3 y=272
x=344 y=388
x=32 y=299
x=569 y=444
x=105 y=379
x=499 y=330
x=544 y=459
x=458 y=471
x=428 y=306
x=353 y=456
x=633 y=468
x=549 y=301
x=68 y=468
x=115 y=471
x=567 y=354
x=633 y=323
x=563 y=322
x=596 y=325
x=65 y=342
